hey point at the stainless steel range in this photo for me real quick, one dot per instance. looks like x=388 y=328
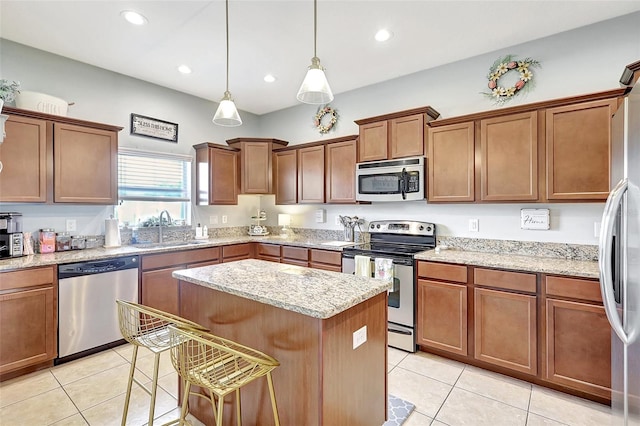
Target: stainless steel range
x=398 y=241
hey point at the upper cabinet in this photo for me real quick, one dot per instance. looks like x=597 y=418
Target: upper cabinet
x=316 y=172
x=579 y=150
x=66 y=160
x=216 y=174
x=556 y=150
x=256 y=163
x=396 y=135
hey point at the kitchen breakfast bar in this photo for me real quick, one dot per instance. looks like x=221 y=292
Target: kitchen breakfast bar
x=306 y=319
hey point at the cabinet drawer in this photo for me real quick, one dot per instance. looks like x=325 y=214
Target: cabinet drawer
x=165 y=260
x=268 y=250
x=295 y=253
x=503 y=279
x=237 y=250
x=26 y=278
x=574 y=288
x=326 y=256
x=443 y=271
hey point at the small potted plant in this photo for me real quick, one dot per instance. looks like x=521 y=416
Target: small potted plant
x=8 y=91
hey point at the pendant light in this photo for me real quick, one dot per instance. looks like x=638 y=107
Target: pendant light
x=315 y=87
x=227 y=114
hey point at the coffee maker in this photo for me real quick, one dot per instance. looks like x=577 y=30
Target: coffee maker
x=11 y=239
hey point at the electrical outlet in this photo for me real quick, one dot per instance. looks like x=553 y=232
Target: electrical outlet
x=213 y=219
x=359 y=336
x=224 y=218
x=71 y=225
x=474 y=225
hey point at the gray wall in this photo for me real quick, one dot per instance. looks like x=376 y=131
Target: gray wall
x=584 y=60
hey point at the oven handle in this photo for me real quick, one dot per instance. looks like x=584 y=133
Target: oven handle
x=403 y=332
x=404 y=183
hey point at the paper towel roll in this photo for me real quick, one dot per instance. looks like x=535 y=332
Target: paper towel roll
x=111 y=233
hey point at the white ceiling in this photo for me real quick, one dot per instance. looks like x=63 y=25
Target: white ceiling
x=277 y=37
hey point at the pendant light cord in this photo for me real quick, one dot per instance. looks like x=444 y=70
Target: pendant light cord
x=315 y=27
x=227 y=28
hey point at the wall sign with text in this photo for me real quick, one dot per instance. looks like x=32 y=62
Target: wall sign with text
x=534 y=218
x=153 y=128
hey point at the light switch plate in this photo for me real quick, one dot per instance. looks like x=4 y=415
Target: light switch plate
x=213 y=219
x=321 y=216
x=71 y=225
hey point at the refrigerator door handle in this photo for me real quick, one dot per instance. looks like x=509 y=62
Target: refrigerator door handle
x=604 y=261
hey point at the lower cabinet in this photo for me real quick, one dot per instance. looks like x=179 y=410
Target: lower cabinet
x=270 y=252
x=505 y=329
x=327 y=260
x=236 y=252
x=295 y=255
x=28 y=318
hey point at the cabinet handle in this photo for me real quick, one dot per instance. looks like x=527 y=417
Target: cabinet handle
x=611 y=208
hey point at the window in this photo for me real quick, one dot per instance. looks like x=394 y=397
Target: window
x=149 y=182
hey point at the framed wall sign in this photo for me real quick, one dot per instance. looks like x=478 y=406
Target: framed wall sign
x=154 y=128
x=534 y=218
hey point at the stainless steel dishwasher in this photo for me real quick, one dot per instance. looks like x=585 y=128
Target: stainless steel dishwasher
x=87 y=312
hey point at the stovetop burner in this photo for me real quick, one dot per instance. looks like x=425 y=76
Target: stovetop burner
x=396 y=238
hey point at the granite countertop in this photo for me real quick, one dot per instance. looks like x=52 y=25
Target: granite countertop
x=546 y=265
x=106 y=253
x=311 y=292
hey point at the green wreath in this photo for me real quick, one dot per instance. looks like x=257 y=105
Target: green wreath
x=501 y=67
x=320 y=120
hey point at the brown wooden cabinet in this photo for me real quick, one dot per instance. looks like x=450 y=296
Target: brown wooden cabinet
x=216 y=174
x=85 y=164
x=509 y=158
x=158 y=287
x=311 y=174
x=442 y=307
x=237 y=252
x=396 y=135
x=341 y=157
x=26 y=152
x=451 y=167
x=49 y=158
x=256 y=172
x=295 y=255
x=577 y=336
x=270 y=252
x=28 y=318
x=327 y=260
x=578 y=145
x=285 y=176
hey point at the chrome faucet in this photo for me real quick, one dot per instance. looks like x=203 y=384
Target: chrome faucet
x=160 y=225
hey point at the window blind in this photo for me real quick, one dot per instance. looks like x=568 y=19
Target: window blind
x=151 y=176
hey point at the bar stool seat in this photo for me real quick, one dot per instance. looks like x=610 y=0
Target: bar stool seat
x=147 y=327
x=219 y=365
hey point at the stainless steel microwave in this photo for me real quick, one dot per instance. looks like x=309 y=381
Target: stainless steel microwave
x=390 y=180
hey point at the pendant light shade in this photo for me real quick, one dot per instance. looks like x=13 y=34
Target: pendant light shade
x=227 y=113
x=315 y=87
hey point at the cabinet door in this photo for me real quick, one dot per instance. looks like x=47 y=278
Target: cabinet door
x=236 y=252
x=85 y=165
x=505 y=329
x=325 y=259
x=578 y=150
x=406 y=136
x=451 y=163
x=578 y=347
x=270 y=252
x=311 y=174
x=509 y=158
x=442 y=316
x=160 y=289
x=295 y=256
x=256 y=168
x=340 y=184
x=285 y=176
x=223 y=173
x=28 y=328
x=26 y=161
x=373 y=143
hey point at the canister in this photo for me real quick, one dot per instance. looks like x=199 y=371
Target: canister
x=78 y=242
x=47 y=240
x=63 y=241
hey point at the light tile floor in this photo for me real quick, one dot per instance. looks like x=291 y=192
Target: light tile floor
x=90 y=391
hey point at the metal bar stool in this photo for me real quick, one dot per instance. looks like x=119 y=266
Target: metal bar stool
x=148 y=327
x=219 y=365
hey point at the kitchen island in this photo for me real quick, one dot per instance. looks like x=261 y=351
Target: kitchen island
x=306 y=319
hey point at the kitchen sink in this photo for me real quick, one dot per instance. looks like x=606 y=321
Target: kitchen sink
x=168 y=244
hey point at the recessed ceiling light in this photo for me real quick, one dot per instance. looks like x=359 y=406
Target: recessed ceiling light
x=383 y=35
x=269 y=78
x=133 y=17
x=184 y=69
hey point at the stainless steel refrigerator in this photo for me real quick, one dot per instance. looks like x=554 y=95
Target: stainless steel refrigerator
x=620 y=261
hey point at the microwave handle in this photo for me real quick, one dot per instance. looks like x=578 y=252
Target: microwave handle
x=404 y=183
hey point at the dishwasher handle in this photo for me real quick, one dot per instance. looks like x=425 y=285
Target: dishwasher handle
x=97 y=267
